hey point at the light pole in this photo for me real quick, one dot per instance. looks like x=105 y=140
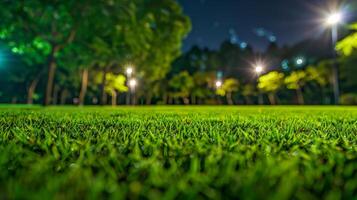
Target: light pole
x=333 y=20
x=132 y=85
x=218 y=86
x=129 y=72
x=259 y=69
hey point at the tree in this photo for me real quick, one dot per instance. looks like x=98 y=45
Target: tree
x=270 y=83
x=31 y=50
x=348 y=48
x=296 y=81
x=114 y=84
x=164 y=25
x=56 y=23
x=248 y=91
x=181 y=86
x=229 y=86
x=201 y=86
x=349 y=43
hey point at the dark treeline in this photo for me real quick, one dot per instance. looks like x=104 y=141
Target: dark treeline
x=128 y=52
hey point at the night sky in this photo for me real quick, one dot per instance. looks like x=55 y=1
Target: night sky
x=255 y=22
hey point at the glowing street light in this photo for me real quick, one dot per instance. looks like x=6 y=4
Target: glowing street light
x=259 y=68
x=132 y=83
x=218 y=84
x=299 y=61
x=129 y=71
x=333 y=20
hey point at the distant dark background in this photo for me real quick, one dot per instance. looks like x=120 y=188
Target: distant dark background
x=286 y=21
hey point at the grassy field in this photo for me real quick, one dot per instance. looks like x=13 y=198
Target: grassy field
x=178 y=153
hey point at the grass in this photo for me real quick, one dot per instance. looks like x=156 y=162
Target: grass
x=178 y=153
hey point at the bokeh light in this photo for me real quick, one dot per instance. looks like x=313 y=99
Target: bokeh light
x=218 y=84
x=132 y=83
x=334 y=18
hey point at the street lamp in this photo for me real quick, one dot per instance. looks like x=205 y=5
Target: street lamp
x=132 y=85
x=129 y=71
x=333 y=20
x=259 y=68
x=218 y=84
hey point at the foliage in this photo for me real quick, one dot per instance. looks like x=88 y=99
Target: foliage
x=248 y=90
x=114 y=83
x=349 y=43
x=271 y=82
x=201 y=84
x=318 y=74
x=295 y=80
x=229 y=85
x=348 y=71
x=349 y=99
x=178 y=153
x=73 y=35
x=181 y=85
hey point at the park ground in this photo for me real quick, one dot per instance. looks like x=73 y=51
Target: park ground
x=283 y=152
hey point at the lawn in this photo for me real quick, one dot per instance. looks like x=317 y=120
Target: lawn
x=178 y=152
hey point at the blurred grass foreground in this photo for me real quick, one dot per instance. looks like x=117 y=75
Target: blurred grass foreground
x=178 y=153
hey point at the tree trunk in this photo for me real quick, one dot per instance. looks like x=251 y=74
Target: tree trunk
x=186 y=100
x=193 y=100
x=134 y=98
x=248 y=100
x=114 y=98
x=170 y=100
x=103 y=99
x=164 y=98
x=13 y=100
x=50 y=79
x=55 y=94
x=63 y=96
x=300 y=96
x=84 y=86
x=272 y=99
x=148 y=98
x=229 y=98
x=127 y=98
x=51 y=75
x=31 y=90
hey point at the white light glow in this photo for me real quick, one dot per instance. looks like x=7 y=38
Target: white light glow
x=334 y=19
x=299 y=61
x=218 y=84
x=132 y=83
x=129 y=70
x=259 y=69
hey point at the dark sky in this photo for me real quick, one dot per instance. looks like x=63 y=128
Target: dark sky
x=287 y=21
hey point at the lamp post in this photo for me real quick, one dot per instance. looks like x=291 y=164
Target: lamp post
x=258 y=70
x=218 y=85
x=129 y=72
x=333 y=20
x=132 y=85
